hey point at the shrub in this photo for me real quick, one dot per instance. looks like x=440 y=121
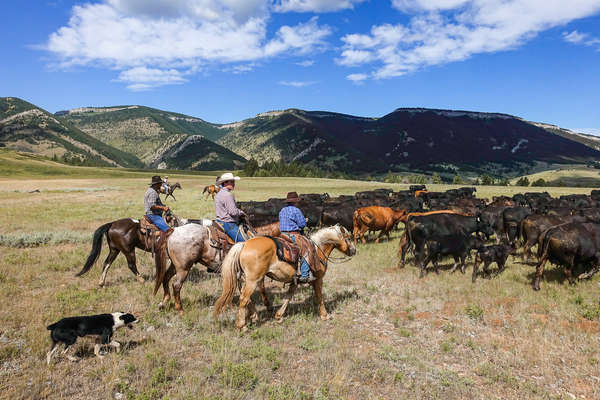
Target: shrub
x=524 y=181
x=539 y=182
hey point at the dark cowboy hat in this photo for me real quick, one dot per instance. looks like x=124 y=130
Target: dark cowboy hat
x=155 y=179
x=292 y=197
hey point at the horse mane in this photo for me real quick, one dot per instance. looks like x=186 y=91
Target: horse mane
x=330 y=234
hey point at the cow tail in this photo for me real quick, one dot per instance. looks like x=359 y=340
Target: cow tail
x=96 y=248
x=545 y=243
x=229 y=274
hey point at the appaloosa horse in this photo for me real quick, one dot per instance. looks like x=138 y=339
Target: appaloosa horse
x=187 y=245
x=258 y=258
x=170 y=189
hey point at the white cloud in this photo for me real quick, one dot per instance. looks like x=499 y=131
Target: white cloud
x=297 y=84
x=443 y=31
x=180 y=35
x=581 y=38
x=357 y=78
x=306 y=63
x=314 y=5
x=142 y=78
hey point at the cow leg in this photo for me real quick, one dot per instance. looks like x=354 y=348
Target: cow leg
x=475 y=267
x=363 y=229
x=463 y=266
x=539 y=271
x=424 y=265
x=526 y=252
x=501 y=266
x=455 y=264
x=436 y=265
x=288 y=296
x=263 y=295
x=402 y=249
x=569 y=274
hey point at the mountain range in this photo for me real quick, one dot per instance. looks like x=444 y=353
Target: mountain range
x=407 y=139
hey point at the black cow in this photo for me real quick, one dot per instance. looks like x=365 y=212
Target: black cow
x=534 y=225
x=421 y=228
x=569 y=245
x=497 y=253
x=511 y=221
x=457 y=246
x=492 y=216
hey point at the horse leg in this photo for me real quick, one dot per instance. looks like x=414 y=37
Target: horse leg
x=263 y=295
x=131 y=263
x=288 y=297
x=180 y=278
x=114 y=252
x=318 y=288
x=242 y=317
x=165 y=283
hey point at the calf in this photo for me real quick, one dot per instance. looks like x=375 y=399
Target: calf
x=497 y=253
x=458 y=246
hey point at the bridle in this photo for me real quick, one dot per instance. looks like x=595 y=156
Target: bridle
x=335 y=260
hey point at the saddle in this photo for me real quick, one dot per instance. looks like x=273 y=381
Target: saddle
x=147 y=227
x=287 y=251
x=218 y=238
x=304 y=248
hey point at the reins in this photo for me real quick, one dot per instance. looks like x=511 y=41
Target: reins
x=335 y=260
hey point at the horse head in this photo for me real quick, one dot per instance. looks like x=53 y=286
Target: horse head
x=338 y=237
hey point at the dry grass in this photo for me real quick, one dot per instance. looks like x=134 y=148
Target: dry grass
x=393 y=335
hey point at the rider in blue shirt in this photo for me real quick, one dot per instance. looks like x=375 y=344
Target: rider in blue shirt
x=292 y=222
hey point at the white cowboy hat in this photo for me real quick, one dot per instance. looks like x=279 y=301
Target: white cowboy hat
x=227 y=176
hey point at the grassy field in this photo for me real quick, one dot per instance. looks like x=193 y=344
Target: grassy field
x=580 y=176
x=393 y=336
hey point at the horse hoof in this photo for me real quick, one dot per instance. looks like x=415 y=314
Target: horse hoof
x=254 y=318
x=244 y=329
x=140 y=279
x=161 y=305
x=279 y=320
x=326 y=317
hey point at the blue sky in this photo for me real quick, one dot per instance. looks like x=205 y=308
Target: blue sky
x=226 y=60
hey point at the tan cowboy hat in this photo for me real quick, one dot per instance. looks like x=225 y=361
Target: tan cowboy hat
x=227 y=176
x=292 y=197
x=155 y=179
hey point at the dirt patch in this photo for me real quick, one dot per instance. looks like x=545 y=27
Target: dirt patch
x=424 y=315
x=507 y=303
x=449 y=308
x=543 y=318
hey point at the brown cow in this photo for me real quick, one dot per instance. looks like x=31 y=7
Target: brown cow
x=375 y=218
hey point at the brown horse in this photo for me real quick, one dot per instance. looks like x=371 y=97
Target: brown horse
x=122 y=236
x=210 y=190
x=257 y=258
x=170 y=190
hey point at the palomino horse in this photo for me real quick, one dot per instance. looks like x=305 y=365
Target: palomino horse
x=257 y=258
x=210 y=190
x=170 y=189
x=122 y=236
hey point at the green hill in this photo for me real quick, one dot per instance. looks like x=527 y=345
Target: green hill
x=25 y=127
x=142 y=131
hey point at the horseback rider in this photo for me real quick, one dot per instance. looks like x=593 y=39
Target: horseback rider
x=292 y=223
x=165 y=184
x=154 y=207
x=228 y=215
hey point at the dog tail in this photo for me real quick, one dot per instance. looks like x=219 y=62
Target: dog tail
x=96 y=248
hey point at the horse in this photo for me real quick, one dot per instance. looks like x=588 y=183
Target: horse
x=257 y=258
x=187 y=245
x=122 y=236
x=210 y=190
x=170 y=189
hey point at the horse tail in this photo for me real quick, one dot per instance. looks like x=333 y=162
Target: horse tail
x=229 y=273
x=96 y=247
x=205 y=189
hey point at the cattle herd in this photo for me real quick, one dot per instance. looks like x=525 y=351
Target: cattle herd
x=454 y=223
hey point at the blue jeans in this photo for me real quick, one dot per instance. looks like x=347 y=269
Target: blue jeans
x=304 y=268
x=159 y=222
x=233 y=231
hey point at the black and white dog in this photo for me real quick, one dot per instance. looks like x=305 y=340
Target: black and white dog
x=102 y=326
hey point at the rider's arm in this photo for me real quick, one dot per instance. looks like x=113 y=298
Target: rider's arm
x=231 y=208
x=299 y=219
